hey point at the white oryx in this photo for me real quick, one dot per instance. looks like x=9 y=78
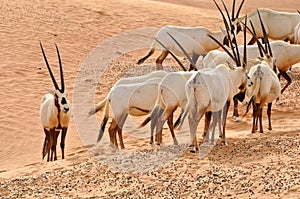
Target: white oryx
x=55 y=113
x=285 y=54
x=130 y=80
x=171 y=95
x=193 y=39
x=263 y=87
x=135 y=99
x=279 y=25
x=212 y=90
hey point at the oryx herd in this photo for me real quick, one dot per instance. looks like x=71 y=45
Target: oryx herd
x=216 y=78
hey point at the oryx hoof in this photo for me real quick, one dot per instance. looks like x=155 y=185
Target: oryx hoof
x=213 y=143
x=193 y=150
x=236 y=119
x=224 y=143
x=175 y=142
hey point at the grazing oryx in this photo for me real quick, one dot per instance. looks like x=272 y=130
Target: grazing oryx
x=279 y=25
x=135 y=99
x=55 y=113
x=171 y=94
x=263 y=87
x=130 y=80
x=194 y=40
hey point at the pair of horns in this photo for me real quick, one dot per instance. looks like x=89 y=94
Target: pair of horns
x=50 y=71
x=234 y=47
x=238 y=12
x=262 y=50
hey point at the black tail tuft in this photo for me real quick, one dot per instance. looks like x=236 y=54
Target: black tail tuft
x=177 y=123
x=146 y=121
x=249 y=104
x=153 y=115
x=146 y=57
x=45 y=148
x=101 y=132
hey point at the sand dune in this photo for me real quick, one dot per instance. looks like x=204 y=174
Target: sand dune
x=253 y=165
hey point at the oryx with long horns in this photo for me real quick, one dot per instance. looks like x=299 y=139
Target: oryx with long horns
x=55 y=113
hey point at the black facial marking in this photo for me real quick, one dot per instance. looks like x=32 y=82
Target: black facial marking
x=225 y=41
x=238 y=28
x=63 y=100
x=240 y=96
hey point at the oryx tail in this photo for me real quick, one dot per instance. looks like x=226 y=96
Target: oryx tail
x=105 y=119
x=99 y=107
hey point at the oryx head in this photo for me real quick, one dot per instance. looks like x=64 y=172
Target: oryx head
x=60 y=94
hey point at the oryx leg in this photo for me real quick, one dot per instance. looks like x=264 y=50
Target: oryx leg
x=62 y=142
x=112 y=133
x=154 y=124
x=254 y=116
x=160 y=60
x=119 y=129
x=225 y=112
x=47 y=144
x=260 y=119
x=54 y=136
x=206 y=124
x=235 y=110
x=194 y=119
x=216 y=116
x=161 y=120
x=171 y=127
x=288 y=79
x=121 y=138
x=269 y=114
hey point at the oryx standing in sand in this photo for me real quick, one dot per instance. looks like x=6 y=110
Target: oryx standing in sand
x=55 y=113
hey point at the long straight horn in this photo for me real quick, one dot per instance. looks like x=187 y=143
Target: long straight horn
x=224 y=19
x=183 y=50
x=49 y=69
x=222 y=46
x=61 y=71
x=239 y=10
x=232 y=13
x=226 y=10
x=267 y=43
x=260 y=46
x=176 y=59
x=236 y=59
x=245 y=46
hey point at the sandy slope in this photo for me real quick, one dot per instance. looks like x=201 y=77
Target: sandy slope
x=253 y=165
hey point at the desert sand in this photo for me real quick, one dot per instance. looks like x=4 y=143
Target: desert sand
x=253 y=165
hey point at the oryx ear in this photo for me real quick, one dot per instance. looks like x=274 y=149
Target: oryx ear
x=51 y=91
x=260 y=58
x=230 y=66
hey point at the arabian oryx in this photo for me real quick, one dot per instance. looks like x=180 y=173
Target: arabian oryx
x=263 y=87
x=171 y=95
x=279 y=25
x=211 y=90
x=194 y=40
x=55 y=113
x=136 y=99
